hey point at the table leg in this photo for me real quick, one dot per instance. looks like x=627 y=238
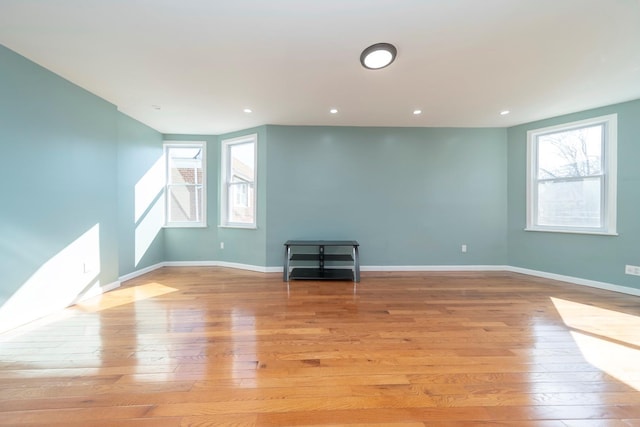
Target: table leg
x=356 y=264
x=287 y=256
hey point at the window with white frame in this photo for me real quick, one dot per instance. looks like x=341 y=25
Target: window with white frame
x=238 y=207
x=571 y=177
x=185 y=195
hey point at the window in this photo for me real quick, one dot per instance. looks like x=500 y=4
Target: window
x=238 y=207
x=571 y=177
x=185 y=200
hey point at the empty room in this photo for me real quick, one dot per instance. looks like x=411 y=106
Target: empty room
x=320 y=213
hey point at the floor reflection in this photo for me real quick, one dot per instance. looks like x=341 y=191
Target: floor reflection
x=243 y=335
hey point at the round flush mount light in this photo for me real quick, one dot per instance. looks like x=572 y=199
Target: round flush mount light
x=248 y=110
x=378 y=56
x=333 y=111
x=504 y=112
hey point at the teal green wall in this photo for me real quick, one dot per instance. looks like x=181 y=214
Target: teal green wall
x=58 y=161
x=140 y=169
x=410 y=196
x=600 y=258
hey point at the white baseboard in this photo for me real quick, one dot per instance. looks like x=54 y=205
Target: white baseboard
x=236 y=265
x=433 y=268
x=141 y=272
x=189 y=264
x=239 y=266
x=94 y=291
x=576 y=280
x=111 y=286
x=391 y=268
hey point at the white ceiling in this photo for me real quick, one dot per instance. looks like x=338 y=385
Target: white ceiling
x=290 y=61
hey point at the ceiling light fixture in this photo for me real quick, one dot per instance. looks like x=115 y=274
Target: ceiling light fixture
x=504 y=112
x=248 y=110
x=378 y=56
x=417 y=112
x=334 y=111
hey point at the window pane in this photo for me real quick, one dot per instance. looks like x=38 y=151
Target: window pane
x=242 y=162
x=238 y=207
x=571 y=153
x=571 y=184
x=574 y=203
x=185 y=203
x=185 y=166
x=185 y=196
x=241 y=203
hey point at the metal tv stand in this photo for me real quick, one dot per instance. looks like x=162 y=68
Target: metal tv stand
x=314 y=250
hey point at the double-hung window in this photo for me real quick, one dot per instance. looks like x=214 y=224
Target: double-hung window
x=571 y=177
x=238 y=207
x=185 y=195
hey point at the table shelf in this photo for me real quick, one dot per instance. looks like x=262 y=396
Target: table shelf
x=316 y=257
x=321 y=274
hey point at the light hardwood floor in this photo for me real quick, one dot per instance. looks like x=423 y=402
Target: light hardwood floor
x=221 y=347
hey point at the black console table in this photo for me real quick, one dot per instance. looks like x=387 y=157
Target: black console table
x=347 y=251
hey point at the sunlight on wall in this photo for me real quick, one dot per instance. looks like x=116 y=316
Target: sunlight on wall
x=609 y=340
x=149 y=208
x=148 y=188
x=58 y=283
x=148 y=228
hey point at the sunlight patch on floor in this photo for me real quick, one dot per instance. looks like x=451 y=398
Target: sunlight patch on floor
x=608 y=339
x=124 y=296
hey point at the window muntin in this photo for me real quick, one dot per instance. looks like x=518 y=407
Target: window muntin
x=572 y=177
x=238 y=208
x=185 y=198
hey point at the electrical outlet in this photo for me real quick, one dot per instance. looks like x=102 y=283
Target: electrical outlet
x=464 y=249
x=86 y=267
x=632 y=269
x=221 y=245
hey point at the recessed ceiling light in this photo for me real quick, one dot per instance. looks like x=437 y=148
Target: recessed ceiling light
x=334 y=111
x=417 y=112
x=504 y=112
x=248 y=110
x=378 y=56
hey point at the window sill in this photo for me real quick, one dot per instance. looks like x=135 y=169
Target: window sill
x=596 y=233
x=243 y=227
x=184 y=226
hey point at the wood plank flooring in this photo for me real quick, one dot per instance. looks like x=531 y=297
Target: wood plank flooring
x=221 y=347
